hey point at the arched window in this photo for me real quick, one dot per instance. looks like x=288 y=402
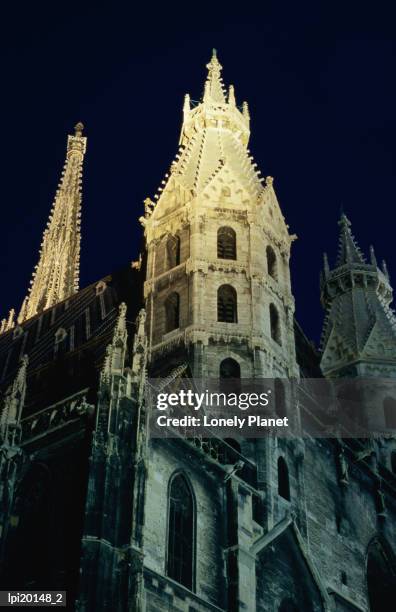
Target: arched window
x=275 y=325
x=181 y=532
x=380 y=576
x=173 y=251
x=229 y=368
x=283 y=479
x=271 y=262
x=393 y=462
x=230 y=376
x=280 y=399
x=172 y=312
x=226 y=243
x=227 y=304
x=390 y=412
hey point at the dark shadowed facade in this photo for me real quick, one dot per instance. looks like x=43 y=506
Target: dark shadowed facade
x=92 y=505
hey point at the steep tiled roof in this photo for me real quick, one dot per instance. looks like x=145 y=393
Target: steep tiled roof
x=66 y=344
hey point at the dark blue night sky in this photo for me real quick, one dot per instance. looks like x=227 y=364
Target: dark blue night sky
x=319 y=79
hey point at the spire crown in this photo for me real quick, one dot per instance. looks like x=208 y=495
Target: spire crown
x=214 y=90
x=78 y=129
x=217 y=109
x=77 y=144
x=348 y=249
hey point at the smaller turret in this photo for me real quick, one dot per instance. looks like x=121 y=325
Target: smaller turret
x=359 y=325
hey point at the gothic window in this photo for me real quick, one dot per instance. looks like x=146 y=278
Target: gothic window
x=226 y=243
x=227 y=304
x=181 y=532
x=172 y=312
x=380 y=576
x=275 y=325
x=344 y=578
x=280 y=400
x=283 y=479
x=393 y=462
x=271 y=262
x=173 y=251
x=390 y=412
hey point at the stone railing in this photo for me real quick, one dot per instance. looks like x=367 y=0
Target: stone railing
x=55 y=417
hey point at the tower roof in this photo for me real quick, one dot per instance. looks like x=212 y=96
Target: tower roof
x=215 y=134
x=56 y=276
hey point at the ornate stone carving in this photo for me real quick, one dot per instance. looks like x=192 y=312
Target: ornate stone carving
x=56 y=276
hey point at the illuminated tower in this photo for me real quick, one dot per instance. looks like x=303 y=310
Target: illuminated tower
x=218 y=293
x=56 y=276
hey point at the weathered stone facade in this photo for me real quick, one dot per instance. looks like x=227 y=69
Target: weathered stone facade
x=273 y=525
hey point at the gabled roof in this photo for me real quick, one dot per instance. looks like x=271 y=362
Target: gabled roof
x=288 y=528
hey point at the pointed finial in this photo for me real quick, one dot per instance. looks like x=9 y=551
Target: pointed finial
x=10 y=321
x=385 y=269
x=231 y=95
x=373 y=258
x=214 y=63
x=78 y=129
x=348 y=249
x=344 y=221
x=245 y=110
x=186 y=106
x=213 y=86
x=206 y=91
x=326 y=266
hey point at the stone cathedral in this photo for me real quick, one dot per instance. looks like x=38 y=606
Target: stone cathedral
x=122 y=521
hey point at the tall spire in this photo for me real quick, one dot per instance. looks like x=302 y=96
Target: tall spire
x=214 y=90
x=56 y=276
